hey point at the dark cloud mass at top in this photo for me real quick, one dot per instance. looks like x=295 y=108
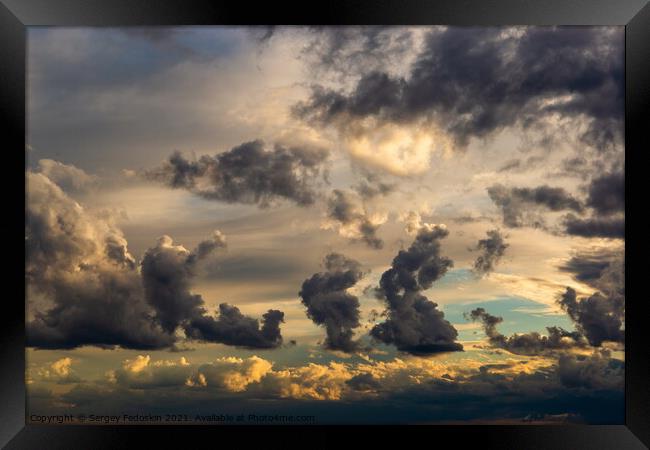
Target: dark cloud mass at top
x=248 y=173
x=476 y=81
x=414 y=323
x=492 y=249
x=531 y=343
x=96 y=296
x=329 y=303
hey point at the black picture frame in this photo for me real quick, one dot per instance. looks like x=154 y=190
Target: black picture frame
x=16 y=15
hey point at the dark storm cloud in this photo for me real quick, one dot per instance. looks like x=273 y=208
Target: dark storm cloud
x=329 y=304
x=607 y=193
x=515 y=203
x=74 y=260
x=248 y=173
x=492 y=249
x=231 y=327
x=604 y=227
x=96 y=294
x=167 y=272
x=598 y=371
x=414 y=324
x=476 y=81
x=344 y=208
x=526 y=343
x=599 y=317
x=364 y=382
x=600 y=269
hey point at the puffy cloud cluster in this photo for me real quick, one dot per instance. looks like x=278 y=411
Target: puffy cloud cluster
x=492 y=249
x=68 y=177
x=475 y=82
x=347 y=212
x=96 y=294
x=597 y=371
x=329 y=303
x=59 y=371
x=248 y=173
x=525 y=343
x=601 y=316
x=398 y=381
x=414 y=324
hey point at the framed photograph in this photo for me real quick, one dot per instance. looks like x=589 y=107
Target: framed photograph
x=382 y=220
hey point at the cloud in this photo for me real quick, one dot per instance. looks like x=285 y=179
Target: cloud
x=372 y=186
x=526 y=343
x=602 y=269
x=414 y=324
x=591 y=372
x=519 y=204
x=68 y=177
x=607 y=193
x=233 y=328
x=167 y=270
x=330 y=304
x=59 y=371
x=492 y=249
x=347 y=213
x=599 y=317
x=248 y=173
x=475 y=82
x=606 y=227
x=96 y=295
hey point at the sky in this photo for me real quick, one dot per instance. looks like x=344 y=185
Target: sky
x=331 y=224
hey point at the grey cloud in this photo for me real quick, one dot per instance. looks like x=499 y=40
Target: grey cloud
x=519 y=165
x=476 y=81
x=601 y=269
x=492 y=249
x=345 y=51
x=599 y=317
x=526 y=343
x=167 y=271
x=607 y=193
x=68 y=177
x=605 y=227
x=103 y=303
x=96 y=294
x=414 y=324
x=233 y=328
x=248 y=173
x=364 y=382
x=372 y=186
x=515 y=203
x=346 y=209
x=330 y=304
x=597 y=371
